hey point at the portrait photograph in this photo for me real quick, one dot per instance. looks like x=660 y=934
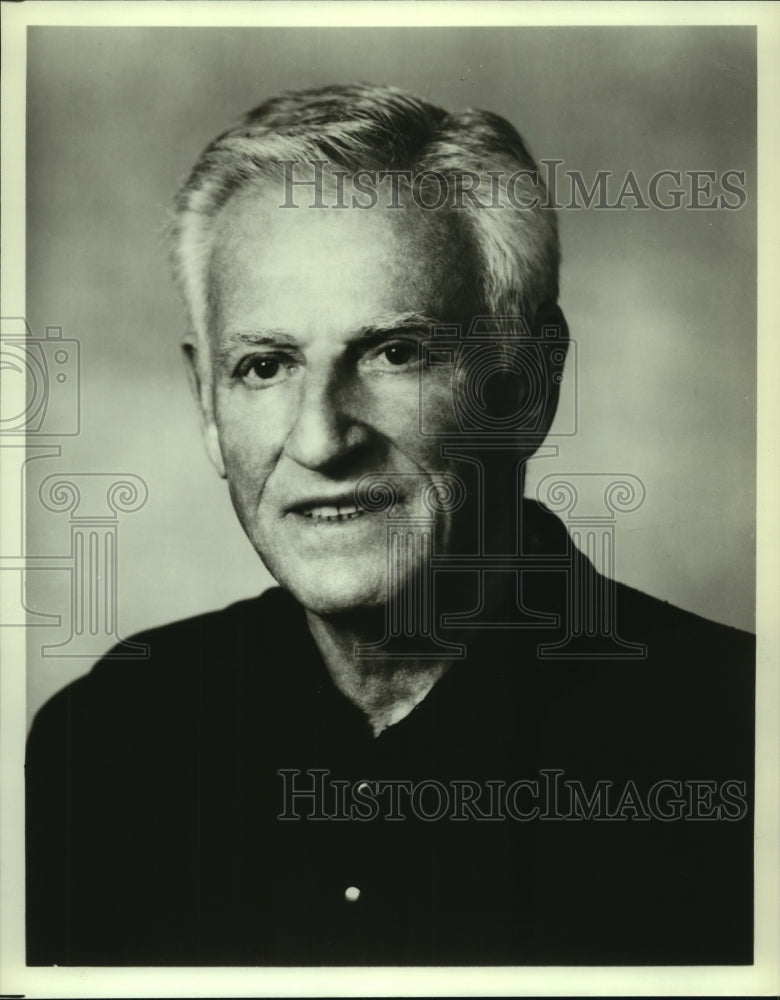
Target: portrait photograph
x=389 y=477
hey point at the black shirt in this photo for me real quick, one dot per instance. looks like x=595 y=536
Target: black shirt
x=529 y=824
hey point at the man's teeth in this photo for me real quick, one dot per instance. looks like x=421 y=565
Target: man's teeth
x=343 y=512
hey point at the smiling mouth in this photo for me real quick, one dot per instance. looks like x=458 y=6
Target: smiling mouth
x=332 y=513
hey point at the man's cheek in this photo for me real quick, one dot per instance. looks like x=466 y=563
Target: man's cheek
x=423 y=412
x=243 y=431
x=435 y=410
x=248 y=465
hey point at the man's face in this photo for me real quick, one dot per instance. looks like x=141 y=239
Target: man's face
x=312 y=381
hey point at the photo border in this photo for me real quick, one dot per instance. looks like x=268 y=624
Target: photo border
x=762 y=977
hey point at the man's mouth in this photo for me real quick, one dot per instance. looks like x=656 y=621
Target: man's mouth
x=336 y=508
x=340 y=512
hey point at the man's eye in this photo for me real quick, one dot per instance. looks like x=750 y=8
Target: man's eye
x=395 y=357
x=399 y=354
x=265 y=368
x=261 y=372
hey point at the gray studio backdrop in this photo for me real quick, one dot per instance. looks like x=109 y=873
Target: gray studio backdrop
x=660 y=303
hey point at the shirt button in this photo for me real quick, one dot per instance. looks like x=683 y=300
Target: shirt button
x=352 y=894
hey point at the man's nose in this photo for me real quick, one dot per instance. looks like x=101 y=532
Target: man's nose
x=326 y=430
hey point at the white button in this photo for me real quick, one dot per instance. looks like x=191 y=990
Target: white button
x=352 y=894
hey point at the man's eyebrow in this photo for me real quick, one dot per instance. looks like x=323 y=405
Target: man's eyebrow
x=267 y=336
x=382 y=326
x=385 y=326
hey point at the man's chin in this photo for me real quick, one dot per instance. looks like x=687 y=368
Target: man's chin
x=333 y=590
x=336 y=603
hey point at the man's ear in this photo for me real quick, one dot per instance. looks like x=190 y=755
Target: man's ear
x=551 y=331
x=197 y=373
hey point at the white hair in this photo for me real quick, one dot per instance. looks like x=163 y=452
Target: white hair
x=362 y=127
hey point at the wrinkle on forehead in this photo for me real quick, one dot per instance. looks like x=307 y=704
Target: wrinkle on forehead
x=403 y=259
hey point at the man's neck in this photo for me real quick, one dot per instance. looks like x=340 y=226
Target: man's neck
x=385 y=689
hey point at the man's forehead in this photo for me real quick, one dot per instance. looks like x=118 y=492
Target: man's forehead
x=262 y=204
x=285 y=259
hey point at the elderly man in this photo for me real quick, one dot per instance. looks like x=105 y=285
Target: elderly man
x=399 y=755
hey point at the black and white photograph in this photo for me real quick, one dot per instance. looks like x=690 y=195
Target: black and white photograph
x=388 y=498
